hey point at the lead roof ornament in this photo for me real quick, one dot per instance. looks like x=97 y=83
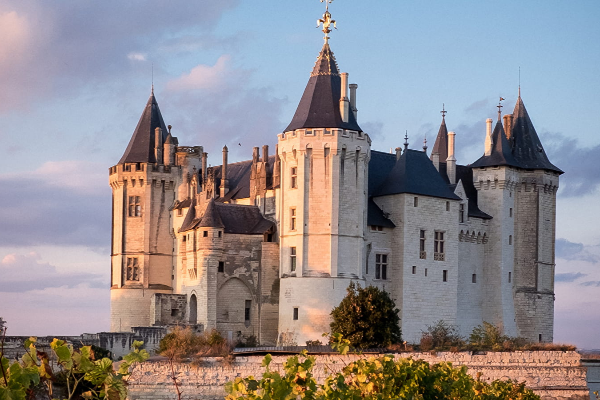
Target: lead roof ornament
x=326 y=20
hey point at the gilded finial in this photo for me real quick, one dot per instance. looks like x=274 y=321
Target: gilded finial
x=406 y=141
x=326 y=20
x=500 y=108
x=443 y=112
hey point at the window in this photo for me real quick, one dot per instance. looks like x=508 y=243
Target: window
x=133 y=269
x=425 y=271
x=438 y=246
x=510 y=212
x=293 y=218
x=221 y=267
x=510 y=239
x=135 y=207
x=376 y=228
x=461 y=213
x=447 y=206
x=247 y=310
x=205 y=233
x=416 y=202
x=381 y=266
x=540 y=337
x=445 y=275
x=414 y=269
x=294 y=179
x=474 y=278
x=179 y=212
x=295 y=313
x=509 y=277
x=423 y=253
x=292 y=259
x=220 y=234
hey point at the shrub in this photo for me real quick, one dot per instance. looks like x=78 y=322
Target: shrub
x=314 y=343
x=441 y=336
x=367 y=317
x=487 y=337
x=183 y=343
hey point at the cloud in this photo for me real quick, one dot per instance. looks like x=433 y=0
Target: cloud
x=23 y=273
x=568 y=276
x=136 y=56
x=203 y=77
x=61 y=203
x=591 y=283
x=575 y=251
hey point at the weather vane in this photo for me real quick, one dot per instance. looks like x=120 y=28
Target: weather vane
x=326 y=20
x=500 y=108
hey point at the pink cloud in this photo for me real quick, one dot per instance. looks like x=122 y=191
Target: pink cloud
x=204 y=77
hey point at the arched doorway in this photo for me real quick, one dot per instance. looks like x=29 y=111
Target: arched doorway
x=193 y=309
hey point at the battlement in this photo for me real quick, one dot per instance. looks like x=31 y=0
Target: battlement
x=324 y=133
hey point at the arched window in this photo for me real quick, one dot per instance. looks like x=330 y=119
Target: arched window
x=193 y=309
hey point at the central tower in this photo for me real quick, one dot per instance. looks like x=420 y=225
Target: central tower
x=324 y=164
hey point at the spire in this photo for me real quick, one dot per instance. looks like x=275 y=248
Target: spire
x=326 y=21
x=527 y=147
x=441 y=141
x=500 y=154
x=141 y=145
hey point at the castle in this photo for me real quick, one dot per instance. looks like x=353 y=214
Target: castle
x=268 y=246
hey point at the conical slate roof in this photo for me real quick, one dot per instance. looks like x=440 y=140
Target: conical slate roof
x=141 y=145
x=320 y=103
x=526 y=145
x=441 y=142
x=501 y=151
x=211 y=217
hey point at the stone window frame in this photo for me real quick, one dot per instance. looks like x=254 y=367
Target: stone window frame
x=132 y=269
x=414 y=269
x=474 y=278
x=439 y=253
x=293 y=218
x=416 y=201
x=247 y=310
x=294 y=177
x=293 y=259
x=461 y=213
x=381 y=266
x=422 y=244
x=135 y=206
x=445 y=275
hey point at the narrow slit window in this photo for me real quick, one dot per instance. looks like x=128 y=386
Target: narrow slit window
x=292 y=259
x=474 y=278
x=461 y=213
x=293 y=218
x=414 y=269
x=423 y=253
x=247 y=310
x=295 y=313
x=445 y=275
x=294 y=178
x=416 y=202
x=221 y=267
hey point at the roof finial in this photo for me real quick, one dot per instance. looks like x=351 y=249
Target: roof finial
x=425 y=143
x=326 y=20
x=152 y=79
x=519 y=81
x=406 y=141
x=500 y=108
x=443 y=112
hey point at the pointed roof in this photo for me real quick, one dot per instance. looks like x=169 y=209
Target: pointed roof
x=526 y=145
x=211 y=217
x=441 y=142
x=501 y=151
x=415 y=173
x=319 y=106
x=141 y=145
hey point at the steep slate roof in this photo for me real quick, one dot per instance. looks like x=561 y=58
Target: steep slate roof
x=211 y=217
x=380 y=166
x=375 y=215
x=234 y=218
x=320 y=103
x=465 y=174
x=238 y=175
x=415 y=173
x=441 y=142
x=141 y=145
x=501 y=151
x=526 y=145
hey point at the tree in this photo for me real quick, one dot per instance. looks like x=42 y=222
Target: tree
x=2 y=324
x=367 y=317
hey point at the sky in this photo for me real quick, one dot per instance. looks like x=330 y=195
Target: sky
x=75 y=76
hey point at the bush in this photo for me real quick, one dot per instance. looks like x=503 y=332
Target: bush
x=367 y=317
x=488 y=337
x=440 y=337
x=184 y=343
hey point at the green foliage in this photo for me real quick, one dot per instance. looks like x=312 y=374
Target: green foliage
x=183 y=343
x=367 y=317
x=379 y=378
x=487 y=336
x=78 y=369
x=441 y=337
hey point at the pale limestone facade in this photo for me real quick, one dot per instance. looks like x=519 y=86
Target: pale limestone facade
x=267 y=247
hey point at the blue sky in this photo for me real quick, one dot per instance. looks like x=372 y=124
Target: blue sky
x=75 y=76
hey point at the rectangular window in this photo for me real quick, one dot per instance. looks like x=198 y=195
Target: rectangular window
x=179 y=212
x=376 y=228
x=133 y=269
x=293 y=218
x=423 y=253
x=247 y=310
x=461 y=213
x=221 y=267
x=416 y=202
x=445 y=275
x=381 y=266
x=509 y=277
x=205 y=233
x=474 y=278
x=414 y=269
x=295 y=313
x=510 y=239
x=540 y=337
x=220 y=234
x=438 y=246
x=292 y=259
x=135 y=206
x=294 y=178
x=510 y=212
x=447 y=206
x=425 y=271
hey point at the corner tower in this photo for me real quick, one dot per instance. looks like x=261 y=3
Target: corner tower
x=324 y=163
x=143 y=185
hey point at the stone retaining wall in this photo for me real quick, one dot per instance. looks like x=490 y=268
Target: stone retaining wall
x=551 y=374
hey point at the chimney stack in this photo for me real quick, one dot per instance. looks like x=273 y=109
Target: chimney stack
x=488 y=137
x=451 y=160
x=508 y=121
x=353 y=87
x=224 y=182
x=265 y=155
x=344 y=102
x=398 y=153
x=158 y=145
x=204 y=169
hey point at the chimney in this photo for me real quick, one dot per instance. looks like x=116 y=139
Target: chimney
x=489 y=143
x=508 y=121
x=265 y=155
x=255 y=156
x=224 y=182
x=451 y=160
x=353 y=87
x=344 y=102
x=276 y=168
x=204 y=169
x=398 y=153
x=158 y=144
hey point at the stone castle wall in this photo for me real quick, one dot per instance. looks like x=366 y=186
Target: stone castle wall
x=552 y=375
